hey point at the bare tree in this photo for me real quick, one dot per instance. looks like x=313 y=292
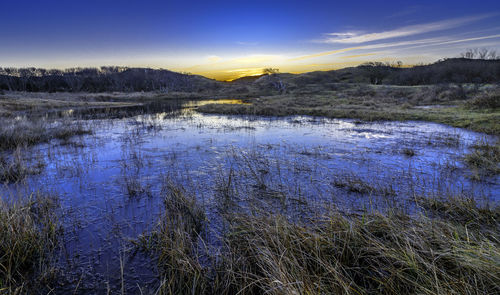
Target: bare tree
x=275 y=78
x=270 y=71
x=476 y=53
x=482 y=53
x=493 y=55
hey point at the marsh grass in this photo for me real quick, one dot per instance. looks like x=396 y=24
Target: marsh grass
x=355 y=184
x=13 y=168
x=485 y=101
x=484 y=159
x=408 y=152
x=29 y=231
x=462 y=210
x=450 y=140
x=449 y=247
x=367 y=254
x=136 y=188
x=175 y=244
x=27 y=132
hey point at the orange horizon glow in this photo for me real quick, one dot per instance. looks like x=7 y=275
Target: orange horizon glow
x=229 y=74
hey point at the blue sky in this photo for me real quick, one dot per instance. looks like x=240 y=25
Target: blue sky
x=227 y=39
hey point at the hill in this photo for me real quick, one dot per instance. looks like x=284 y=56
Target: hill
x=455 y=70
x=103 y=79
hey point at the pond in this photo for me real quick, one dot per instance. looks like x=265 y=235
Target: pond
x=110 y=183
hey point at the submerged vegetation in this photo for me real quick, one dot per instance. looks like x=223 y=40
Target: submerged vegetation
x=484 y=159
x=15 y=168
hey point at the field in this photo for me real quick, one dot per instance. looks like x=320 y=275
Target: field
x=252 y=188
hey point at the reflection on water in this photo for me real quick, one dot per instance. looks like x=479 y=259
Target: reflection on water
x=199 y=103
x=300 y=159
x=130 y=110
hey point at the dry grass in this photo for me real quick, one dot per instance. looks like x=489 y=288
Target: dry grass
x=28 y=234
x=26 y=132
x=485 y=101
x=370 y=254
x=464 y=211
x=484 y=159
x=174 y=243
x=447 y=253
x=14 y=168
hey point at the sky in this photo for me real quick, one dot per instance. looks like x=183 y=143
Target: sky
x=229 y=39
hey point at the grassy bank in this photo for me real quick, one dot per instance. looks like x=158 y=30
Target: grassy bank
x=475 y=108
x=430 y=253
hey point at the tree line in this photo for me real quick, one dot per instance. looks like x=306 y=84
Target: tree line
x=452 y=70
x=100 y=79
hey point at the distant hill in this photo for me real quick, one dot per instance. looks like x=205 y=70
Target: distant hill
x=101 y=80
x=455 y=70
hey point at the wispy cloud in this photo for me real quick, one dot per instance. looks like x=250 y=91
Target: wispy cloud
x=428 y=42
x=438 y=41
x=470 y=39
x=358 y=38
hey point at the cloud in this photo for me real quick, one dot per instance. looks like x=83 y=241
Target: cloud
x=469 y=39
x=427 y=42
x=406 y=44
x=358 y=38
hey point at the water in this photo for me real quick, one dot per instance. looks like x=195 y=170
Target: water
x=285 y=163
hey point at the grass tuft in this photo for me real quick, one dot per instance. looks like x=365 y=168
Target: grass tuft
x=484 y=159
x=461 y=210
x=175 y=245
x=485 y=101
x=26 y=132
x=14 y=169
x=29 y=232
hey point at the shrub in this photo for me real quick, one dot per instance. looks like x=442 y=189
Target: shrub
x=485 y=101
